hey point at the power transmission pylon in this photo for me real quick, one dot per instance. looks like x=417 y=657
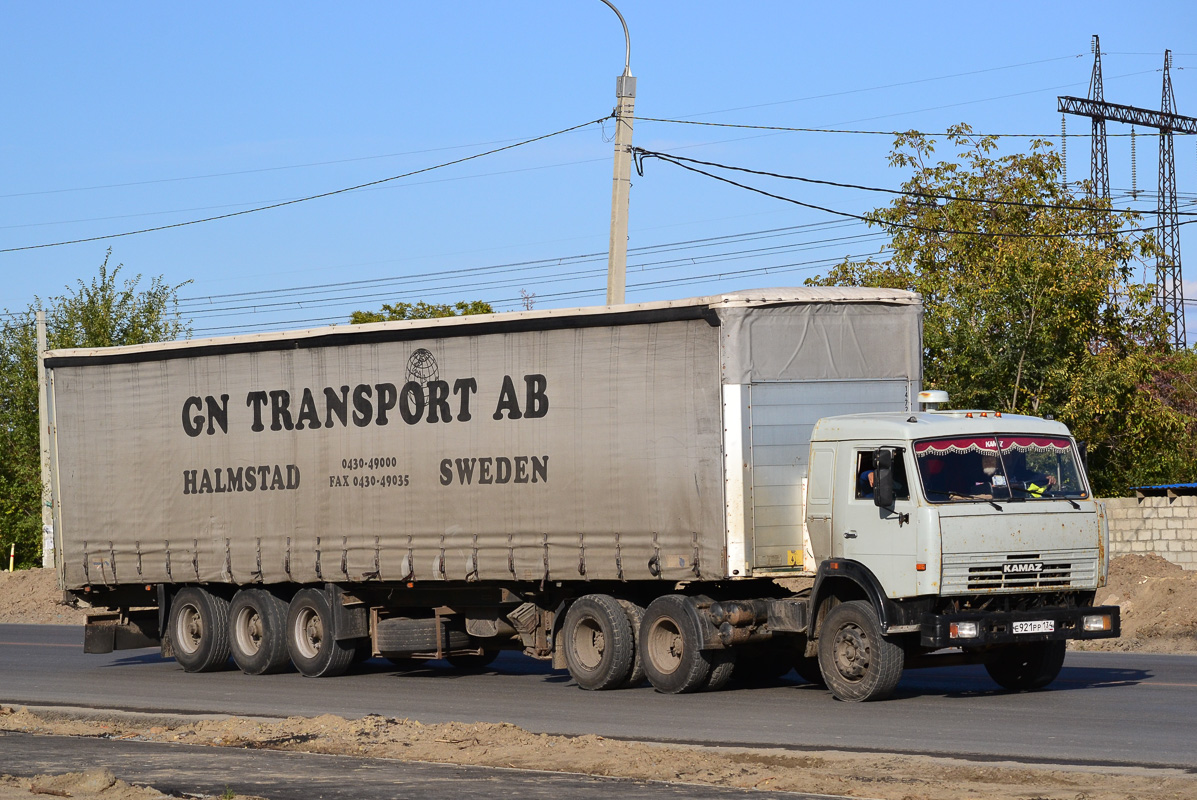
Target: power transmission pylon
x=1100 y=165
x=1169 y=287
x=1169 y=293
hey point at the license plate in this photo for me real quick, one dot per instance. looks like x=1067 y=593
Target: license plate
x=1035 y=626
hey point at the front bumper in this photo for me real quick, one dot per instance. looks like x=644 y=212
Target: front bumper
x=936 y=630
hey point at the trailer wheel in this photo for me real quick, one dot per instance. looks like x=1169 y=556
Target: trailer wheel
x=257 y=632
x=855 y=659
x=199 y=630
x=310 y=642
x=635 y=614
x=598 y=642
x=1024 y=667
x=670 y=640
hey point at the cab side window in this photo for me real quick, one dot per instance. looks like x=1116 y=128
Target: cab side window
x=864 y=475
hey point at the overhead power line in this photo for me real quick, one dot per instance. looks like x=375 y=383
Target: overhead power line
x=785 y=129
x=321 y=195
x=651 y=249
x=642 y=154
x=679 y=162
x=487 y=277
x=232 y=173
x=800 y=266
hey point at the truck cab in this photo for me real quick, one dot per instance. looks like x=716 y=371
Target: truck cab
x=974 y=530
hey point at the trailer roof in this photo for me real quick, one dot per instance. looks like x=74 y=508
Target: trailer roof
x=586 y=316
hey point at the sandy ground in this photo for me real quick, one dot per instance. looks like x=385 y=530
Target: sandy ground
x=1159 y=614
x=95 y=784
x=889 y=777
x=1159 y=606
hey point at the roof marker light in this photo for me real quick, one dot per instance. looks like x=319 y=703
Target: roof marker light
x=932 y=399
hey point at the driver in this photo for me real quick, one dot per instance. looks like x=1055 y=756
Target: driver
x=1033 y=483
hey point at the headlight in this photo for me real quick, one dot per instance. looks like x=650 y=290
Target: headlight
x=1097 y=622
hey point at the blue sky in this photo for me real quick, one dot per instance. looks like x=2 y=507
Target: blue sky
x=128 y=116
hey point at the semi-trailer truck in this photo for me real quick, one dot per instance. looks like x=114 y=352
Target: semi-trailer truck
x=622 y=490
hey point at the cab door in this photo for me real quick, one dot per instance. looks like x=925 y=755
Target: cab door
x=882 y=539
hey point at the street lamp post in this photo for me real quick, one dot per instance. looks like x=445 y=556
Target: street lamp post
x=625 y=103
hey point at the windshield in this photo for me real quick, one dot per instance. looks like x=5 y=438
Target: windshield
x=985 y=468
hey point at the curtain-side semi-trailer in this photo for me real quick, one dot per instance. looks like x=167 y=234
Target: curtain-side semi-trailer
x=613 y=488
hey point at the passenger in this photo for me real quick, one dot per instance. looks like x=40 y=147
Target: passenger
x=864 y=484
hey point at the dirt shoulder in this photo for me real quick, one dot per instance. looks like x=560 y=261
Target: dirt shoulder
x=887 y=777
x=94 y=784
x=1159 y=606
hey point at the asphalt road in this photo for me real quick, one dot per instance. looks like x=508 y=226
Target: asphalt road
x=1106 y=708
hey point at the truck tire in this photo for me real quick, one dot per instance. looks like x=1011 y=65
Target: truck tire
x=635 y=614
x=598 y=642
x=670 y=640
x=258 y=632
x=199 y=630
x=1025 y=667
x=723 y=664
x=402 y=636
x=310 y=643
x=857 y=662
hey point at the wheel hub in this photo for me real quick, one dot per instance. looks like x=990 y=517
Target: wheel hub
x=664 y=645
x=589 y=644
x=191 y=629
x=851 y=652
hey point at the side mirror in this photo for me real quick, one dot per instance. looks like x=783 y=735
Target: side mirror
x=883 y=477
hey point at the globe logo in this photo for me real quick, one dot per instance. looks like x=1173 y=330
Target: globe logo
x=422 y=367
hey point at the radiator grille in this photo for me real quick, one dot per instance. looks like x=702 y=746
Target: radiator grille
x=973 y=573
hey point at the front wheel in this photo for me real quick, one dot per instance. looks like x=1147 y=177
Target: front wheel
x=857 y=662
x=1025 y=667
x=310 y=639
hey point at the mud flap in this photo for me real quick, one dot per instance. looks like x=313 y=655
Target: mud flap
x=121 y=630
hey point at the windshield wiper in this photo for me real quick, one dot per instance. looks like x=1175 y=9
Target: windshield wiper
x=1073 y=503
x=995 y=505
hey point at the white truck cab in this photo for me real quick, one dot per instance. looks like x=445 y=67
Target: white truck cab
x=954 y=529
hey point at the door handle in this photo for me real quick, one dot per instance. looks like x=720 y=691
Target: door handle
x=849 y=534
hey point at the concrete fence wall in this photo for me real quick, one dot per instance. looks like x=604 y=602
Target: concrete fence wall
x=1166 y=526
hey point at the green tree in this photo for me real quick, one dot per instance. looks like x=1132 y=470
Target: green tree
x=397 y=311
x=102 y=313
x=1015 y=291
x=1138 y=411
